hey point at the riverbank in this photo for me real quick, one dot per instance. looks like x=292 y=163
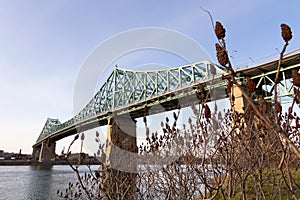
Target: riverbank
x=56 y=162
x=15 y=162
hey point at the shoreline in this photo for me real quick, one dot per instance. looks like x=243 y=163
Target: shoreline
x=57 y=162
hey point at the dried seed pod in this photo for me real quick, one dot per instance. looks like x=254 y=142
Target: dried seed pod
x=76 y=137
x=162 y=124
x=251 y=85
x=175 y=116
x=219 y=115
x=229 y=86
x=190 y=120
x=213 y=69
x=207 y=112
x=168 y=127
x=286 y=32
x=297 y=95
x=82 y=137
x=136 y=149
x=219 y=30
x=174 y=125
x=222 y=55
x=201 y=88
x=278 y=106
x=232 y=97
x=145 y=109
x=178 y=106
x=296 y=78
x=297 y=100
x=216 y=108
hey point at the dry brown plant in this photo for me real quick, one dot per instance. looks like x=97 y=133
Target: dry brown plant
x=253 y=154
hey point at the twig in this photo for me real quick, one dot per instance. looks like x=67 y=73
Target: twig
x=76 y=168
x=210 y=16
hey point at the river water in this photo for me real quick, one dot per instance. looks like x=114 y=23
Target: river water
x=35 y=182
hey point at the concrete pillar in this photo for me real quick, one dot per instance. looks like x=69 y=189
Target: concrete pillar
x=121 y=143
x=47 y=151
x=108 y=141
x=239 y=101
x=237 y=106
x=36 y=153
x=121 y=138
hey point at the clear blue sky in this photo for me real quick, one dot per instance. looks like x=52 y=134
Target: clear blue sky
x=44 y=43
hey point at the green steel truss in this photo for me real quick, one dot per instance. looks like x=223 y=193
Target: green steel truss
x=48 y=127
x=126 y=87
x=265 y=83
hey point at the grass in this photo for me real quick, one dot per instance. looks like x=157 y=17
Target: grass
x=272 y=183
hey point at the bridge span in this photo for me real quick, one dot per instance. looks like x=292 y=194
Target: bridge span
x=128 y=92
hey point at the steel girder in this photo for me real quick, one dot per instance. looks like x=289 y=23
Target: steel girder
x=265 y=83
x=125 y=87
x=48 y=128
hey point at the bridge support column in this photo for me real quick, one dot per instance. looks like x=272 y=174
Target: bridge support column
x=239 y=101
x=121 y=154
x=35 y=153
x=237 y=109
x=47 y=152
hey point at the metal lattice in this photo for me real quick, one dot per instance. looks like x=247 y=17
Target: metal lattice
x=265 y=83
x=125 y=87
x=48 y=128
x=131 y=89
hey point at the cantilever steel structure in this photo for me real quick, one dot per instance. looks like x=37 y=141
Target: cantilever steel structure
x=128 y=91
x=126 y=88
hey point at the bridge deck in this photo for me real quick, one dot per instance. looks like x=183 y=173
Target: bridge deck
x=163 y=87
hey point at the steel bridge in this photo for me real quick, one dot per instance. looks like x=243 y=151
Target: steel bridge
x=129 y=91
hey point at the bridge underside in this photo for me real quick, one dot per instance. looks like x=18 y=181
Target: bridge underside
x=263 y=76
x=166 y=102
x=184 y=98
x=44 y=153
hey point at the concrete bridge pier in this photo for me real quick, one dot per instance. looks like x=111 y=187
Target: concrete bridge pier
x=239 y=100
x=35 y=154
x=121 y=136
x=120 y=155
x=44 y=153
x=238 y=106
